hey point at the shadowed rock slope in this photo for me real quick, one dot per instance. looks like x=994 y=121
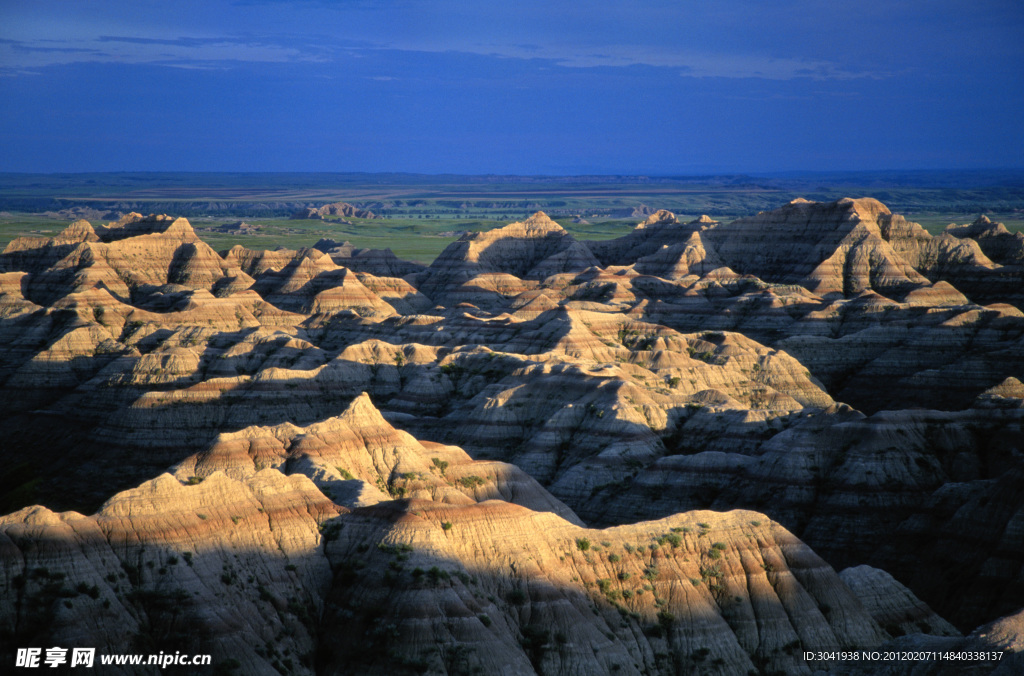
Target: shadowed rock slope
x=268 y=569
x=849 y=379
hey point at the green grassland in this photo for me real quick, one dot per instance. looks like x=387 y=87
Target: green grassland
x=936 y=223
x=423 y=214
x=411 y=239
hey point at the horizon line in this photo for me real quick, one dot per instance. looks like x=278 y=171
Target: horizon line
x=595 y=174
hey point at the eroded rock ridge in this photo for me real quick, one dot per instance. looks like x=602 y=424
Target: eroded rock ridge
x=644 y=455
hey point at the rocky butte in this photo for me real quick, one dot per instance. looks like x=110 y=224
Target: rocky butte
x=702 y=447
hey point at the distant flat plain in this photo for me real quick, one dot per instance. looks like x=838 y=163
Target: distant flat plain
x=421 y=215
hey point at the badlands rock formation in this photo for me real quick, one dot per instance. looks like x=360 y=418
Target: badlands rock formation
x=343 y=209
x=644 y=455
x=379 y=262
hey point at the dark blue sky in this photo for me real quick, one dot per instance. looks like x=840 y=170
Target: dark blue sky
x=521 y=87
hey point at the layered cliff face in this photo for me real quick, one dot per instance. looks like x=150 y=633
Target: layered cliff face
x=830 y=249
x=240 y=559
x=500 y=261
x=452 y=431
x=266 y=574
x=359 y=460
x=859 y=295
x=994 y=239
x=334 y=209
x=229 y=568
x=502 y=589
x=312 y=284
x=270 y=571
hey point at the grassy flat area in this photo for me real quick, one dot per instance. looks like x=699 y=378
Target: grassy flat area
x=423 y=214
x=936 y=223
x=412 y=239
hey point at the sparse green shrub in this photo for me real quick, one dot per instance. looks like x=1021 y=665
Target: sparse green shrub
x=516 y=597
x=654 y=631
x=92 y=591
x=707 y=572
x=582 y=544
x=132 y=327
x=330 y=531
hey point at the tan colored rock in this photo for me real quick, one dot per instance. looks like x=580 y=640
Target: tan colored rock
x=359 y=446
x=334 y=209
x=678 y=261
x=994 y=239
x=661 y=229
x=224 y=567
x=313 y=284
x=1009 y=393
x=536 y=248
x=503 y=587
x=380 y=262
x=680 y=367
